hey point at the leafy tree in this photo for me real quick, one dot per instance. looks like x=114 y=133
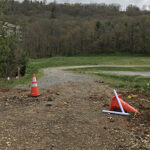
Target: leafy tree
x=11 y=56
x=11 y=53
x=133 y=10
x=52 y=29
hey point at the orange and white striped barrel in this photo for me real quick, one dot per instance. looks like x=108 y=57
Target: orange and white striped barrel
x=34 y=88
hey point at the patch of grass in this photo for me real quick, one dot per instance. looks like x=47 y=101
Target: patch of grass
x=112 y=69
x=34 y=66
x=124 y=81
x=119 y=81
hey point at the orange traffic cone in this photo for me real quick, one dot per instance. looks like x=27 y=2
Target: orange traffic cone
x=34 y=88
x=115 y=106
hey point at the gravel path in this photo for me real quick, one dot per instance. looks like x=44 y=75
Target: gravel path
x=53 y=77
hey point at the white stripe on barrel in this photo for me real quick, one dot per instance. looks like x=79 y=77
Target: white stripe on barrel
x=34 y=84
x=34 y=79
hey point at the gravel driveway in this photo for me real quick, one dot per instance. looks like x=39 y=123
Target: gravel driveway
x=56 y=76
x=53 y=77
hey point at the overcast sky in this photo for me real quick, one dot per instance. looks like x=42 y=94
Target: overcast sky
x=123 y=3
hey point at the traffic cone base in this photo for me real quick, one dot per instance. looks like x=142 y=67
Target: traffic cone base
x=34 y=88
x=115 y=106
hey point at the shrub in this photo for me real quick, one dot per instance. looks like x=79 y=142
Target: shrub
x=12 y=56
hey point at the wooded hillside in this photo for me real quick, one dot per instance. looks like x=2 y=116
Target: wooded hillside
x=76 y=29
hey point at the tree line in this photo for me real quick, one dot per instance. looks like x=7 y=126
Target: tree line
x=78 y=29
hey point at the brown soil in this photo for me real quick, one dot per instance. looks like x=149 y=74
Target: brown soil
x=140 y=123
x=69 y=117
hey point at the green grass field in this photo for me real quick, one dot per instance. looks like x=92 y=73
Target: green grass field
x=125 y=82
x=36 y=66
x=119 y=81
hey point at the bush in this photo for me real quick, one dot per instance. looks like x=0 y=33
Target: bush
x=12 y=56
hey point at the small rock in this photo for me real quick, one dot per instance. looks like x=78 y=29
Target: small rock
x=65 y=103
x=122 y=140
x=6 y=104
x=111 y=119
x=138 y=137
x=8 y=144
x=57 y=93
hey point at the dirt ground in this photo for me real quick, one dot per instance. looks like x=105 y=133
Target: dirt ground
x=69 y=117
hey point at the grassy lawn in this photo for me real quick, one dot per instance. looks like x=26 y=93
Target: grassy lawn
x=125 y=82
x=35 y=66
x=119 y=81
